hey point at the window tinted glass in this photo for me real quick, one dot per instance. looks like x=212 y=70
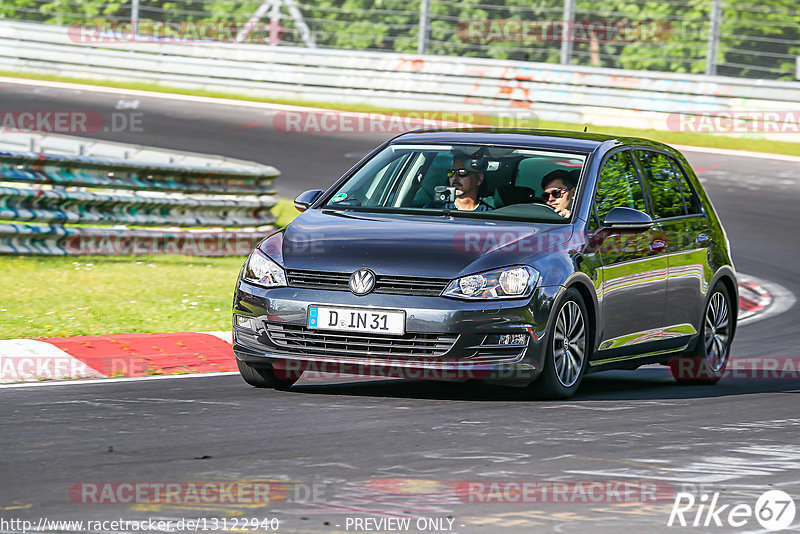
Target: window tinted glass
x=664 y=184
x=619 y=185
x=413 y=178
x=689 y=196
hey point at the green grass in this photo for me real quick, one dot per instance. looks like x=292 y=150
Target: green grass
x=284 y=212
x=89 y=295
x=704 y=140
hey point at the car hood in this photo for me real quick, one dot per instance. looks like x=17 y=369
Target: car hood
x=412 y=245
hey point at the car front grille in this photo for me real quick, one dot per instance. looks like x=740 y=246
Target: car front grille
x=386 y=284
x=304 y=340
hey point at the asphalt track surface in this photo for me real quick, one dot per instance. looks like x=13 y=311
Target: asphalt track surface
x=388 y=448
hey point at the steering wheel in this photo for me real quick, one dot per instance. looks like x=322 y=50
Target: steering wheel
x=554 y=211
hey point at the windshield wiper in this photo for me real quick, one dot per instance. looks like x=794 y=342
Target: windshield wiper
x=380 y=209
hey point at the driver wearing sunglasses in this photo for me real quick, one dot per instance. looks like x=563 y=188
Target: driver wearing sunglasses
x=467 y=183
x=559 y=190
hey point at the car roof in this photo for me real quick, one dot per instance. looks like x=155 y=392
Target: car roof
x=533 y=138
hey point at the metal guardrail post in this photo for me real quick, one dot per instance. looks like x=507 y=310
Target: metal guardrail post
x=424 y=13
x=566 y=31
x=714 y=20
x=135 y=17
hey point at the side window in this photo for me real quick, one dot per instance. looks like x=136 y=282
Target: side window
x=663 y=183
x=384 y=180
x=689 y=196
x=619 y=185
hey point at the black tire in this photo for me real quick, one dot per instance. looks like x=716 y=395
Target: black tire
x=562 y=373
x=706 y=364
x=264 y=377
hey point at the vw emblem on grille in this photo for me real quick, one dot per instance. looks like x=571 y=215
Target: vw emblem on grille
x=362 y=281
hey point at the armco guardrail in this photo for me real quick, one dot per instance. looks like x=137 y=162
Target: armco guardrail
x=223 y=205
x=552 y=92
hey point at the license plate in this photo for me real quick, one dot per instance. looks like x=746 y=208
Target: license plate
x=357 y=320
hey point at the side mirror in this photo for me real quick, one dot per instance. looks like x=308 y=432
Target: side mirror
x=627 y=218
x=306 y=199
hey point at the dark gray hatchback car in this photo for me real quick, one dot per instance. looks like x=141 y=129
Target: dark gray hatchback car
x=523 y=257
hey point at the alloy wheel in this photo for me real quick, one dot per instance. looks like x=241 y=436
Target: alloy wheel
x=717 y=331
x=569 y=344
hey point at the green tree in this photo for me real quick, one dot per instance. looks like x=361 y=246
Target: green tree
x=758 y=38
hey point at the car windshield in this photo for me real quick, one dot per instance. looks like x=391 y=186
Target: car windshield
x=460 y=180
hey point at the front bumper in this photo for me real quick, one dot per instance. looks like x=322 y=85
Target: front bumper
x=464 y=328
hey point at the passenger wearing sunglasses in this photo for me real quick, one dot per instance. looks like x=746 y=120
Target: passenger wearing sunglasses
x=559 y=190
x=467 y=183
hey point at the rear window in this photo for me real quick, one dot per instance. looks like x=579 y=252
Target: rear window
x=690 y=198
x=669 y=187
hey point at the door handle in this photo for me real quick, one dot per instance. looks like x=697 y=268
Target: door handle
x=703 y=239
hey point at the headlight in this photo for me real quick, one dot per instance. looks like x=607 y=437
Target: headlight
x=259 y=269
x=513 y=282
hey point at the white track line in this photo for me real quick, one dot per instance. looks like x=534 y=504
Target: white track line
x=29 y=359
x=286 y=107
x=161 y=96
x=94 y=382
x=782 y=300
x=738 y=153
